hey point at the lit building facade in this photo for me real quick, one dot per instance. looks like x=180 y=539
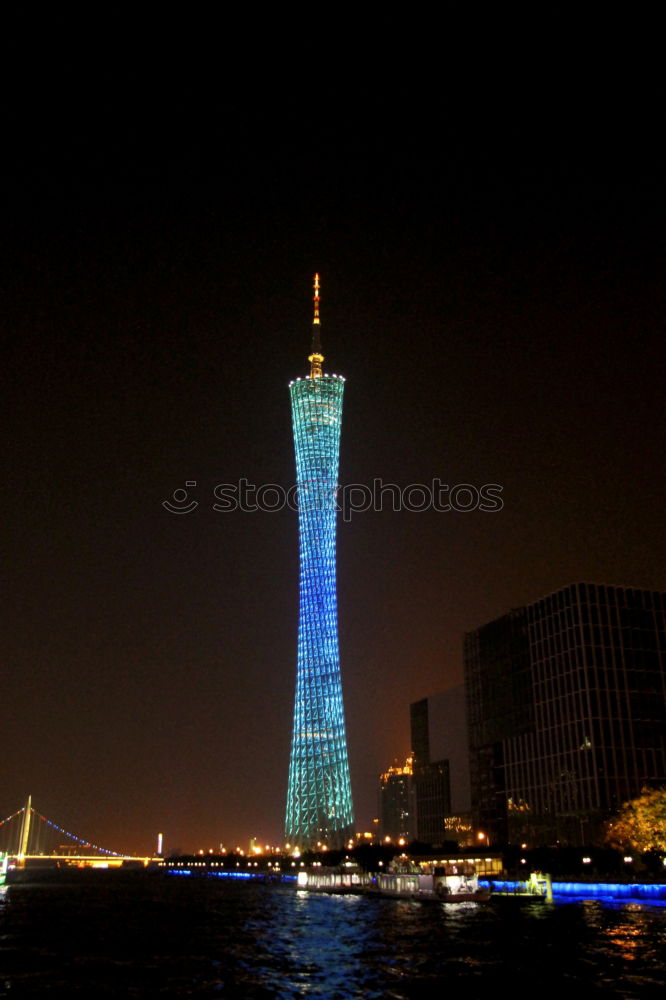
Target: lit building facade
x=567 y=712
x=319 y=799
x=396 y=803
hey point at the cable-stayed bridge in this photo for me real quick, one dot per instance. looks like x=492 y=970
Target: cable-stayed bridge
x=27 y=836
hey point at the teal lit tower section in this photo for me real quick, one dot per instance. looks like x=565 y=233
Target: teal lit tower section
x=319 y=800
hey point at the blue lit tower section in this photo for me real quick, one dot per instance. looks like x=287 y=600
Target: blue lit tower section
x=319 y=801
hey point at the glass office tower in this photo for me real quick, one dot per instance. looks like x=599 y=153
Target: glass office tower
x=567 y=712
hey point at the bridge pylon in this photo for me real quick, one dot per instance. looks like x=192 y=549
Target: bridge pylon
x=25 y=829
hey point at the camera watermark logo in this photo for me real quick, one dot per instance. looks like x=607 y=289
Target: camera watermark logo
x=352 y=498
x=180 y=502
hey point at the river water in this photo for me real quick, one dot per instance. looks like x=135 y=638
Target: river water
x=142 y=935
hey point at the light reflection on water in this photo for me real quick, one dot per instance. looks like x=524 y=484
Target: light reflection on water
x=150 y=936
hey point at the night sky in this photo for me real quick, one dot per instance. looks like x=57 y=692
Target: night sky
x=491 y=259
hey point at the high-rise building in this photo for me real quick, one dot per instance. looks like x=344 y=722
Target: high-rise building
x=566 y=706
x=319 y=799
x=439 y=732
x=441 y=767
x=431 y=781
x=396 y=803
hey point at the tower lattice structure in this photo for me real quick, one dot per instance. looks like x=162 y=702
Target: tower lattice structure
x=319 y=800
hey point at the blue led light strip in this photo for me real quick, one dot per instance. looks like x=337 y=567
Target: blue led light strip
x=319 y=800
x=587 y=890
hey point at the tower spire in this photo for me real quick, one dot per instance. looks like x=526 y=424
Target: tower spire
x=316 y=358
x=315 y=321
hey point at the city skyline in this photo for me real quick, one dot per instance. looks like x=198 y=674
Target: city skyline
x=494 y=291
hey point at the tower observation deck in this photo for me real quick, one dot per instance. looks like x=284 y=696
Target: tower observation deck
x=319 y=801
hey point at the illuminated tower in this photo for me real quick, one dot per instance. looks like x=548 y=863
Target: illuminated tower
x=319 y=802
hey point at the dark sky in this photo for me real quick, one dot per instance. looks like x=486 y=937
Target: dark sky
x=492 y=288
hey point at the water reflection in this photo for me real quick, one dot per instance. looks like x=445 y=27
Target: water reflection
x=317 y=946
x=629 y=936
x=148 y=937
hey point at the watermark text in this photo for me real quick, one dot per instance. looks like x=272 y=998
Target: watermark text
x=318 y=495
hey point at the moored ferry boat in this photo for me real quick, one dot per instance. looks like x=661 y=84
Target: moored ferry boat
x=448 y=883
x=346 y=878
x=4 y=862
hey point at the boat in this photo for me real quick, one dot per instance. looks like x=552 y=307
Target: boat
x=344 y=879
x=447 y=883
x=4 y=864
